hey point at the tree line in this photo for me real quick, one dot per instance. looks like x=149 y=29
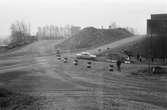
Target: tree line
x=21 y=32
x=53 y=31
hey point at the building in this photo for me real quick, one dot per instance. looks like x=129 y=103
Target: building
x=157 y=31
x=157 y=25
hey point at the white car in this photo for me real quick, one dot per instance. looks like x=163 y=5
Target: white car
x=85 y=55
x=127 y=62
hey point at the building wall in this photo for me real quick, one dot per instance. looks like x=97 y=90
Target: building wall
x=157 y=31
x=157 y=27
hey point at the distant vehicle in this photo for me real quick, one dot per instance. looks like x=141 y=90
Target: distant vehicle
x=128 y=61
x=124 y=59
x=157 y=69
x=85 y=55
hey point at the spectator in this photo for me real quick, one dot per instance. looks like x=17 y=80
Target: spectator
x=152 y=59
x=140 y=58
x=119 y=65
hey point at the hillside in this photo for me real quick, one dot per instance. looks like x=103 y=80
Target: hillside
x=144 y=47
x=138 y=47
x=133 y=48
x=124 y=47
x=91 y=37
x=41 y=46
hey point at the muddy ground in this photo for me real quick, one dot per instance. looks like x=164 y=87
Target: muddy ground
x=29 y=80
x=46 y=83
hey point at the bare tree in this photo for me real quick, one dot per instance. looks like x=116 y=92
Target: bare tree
x=19 y=32
x=131 y=30
x=112 y=25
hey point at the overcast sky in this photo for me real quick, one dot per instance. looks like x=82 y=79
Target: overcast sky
x=132 y=13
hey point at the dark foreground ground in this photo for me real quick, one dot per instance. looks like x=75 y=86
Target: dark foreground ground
x=46 y=83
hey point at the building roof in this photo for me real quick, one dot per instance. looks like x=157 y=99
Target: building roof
x=159 y=16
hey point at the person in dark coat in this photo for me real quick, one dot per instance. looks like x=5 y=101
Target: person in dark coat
x=119 y=65
x=140 y=59
x=152 y=59
x=138 y=56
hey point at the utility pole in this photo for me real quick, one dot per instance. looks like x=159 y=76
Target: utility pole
x=29 y=28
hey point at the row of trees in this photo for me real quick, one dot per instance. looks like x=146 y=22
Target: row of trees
x=53 y=31
x=20 y=31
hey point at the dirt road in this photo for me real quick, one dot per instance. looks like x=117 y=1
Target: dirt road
x=55 y=85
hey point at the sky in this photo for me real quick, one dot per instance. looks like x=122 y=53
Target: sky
x=97 y=13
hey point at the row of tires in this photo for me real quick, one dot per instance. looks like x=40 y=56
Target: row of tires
x=76 y=62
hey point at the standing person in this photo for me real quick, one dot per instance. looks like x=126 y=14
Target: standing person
x=152 y=59
x=119 y=65
x=140 y=59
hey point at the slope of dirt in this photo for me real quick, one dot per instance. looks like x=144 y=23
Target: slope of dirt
x=139 y=46
x=45 y=45
x=91 y=37
x=145 y=47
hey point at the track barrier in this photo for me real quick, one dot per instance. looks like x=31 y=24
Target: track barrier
x=89 y=64
x=75 y=62
x=65 y=60
x=111 y=67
